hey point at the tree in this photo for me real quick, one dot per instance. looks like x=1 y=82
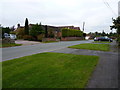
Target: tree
x=116 y=25
x=26 y=27
x=36 y=30
x=84 y=35
x=51 y=33
x=96 y=33
x=103 y=33
x=20 y=33
x=5 y=30
x=12 y=28
x=46 y=31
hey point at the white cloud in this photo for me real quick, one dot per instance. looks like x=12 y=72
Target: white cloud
x=60 y=12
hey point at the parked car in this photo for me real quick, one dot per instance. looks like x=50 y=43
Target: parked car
x=11 y=36
x=103 y=39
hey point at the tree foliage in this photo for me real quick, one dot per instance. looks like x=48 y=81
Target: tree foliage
x=5 y=30
x=36 y=30
x=103 y=33
x=116 y=25
x=20 y=32
x=46 y=31
x=26 y=27
x=51 y=33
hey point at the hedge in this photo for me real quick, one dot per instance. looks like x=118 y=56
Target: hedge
x=71 y=33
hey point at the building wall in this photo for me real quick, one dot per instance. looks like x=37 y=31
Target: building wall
x=71 y=38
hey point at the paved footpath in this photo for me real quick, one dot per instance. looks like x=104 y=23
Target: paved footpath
x=106 y=72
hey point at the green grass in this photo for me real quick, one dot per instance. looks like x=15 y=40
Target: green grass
x=48 y=70
x=90 y=46
x=101 y=42
x=9 y=45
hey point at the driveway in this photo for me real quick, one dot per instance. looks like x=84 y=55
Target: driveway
x=106 y=72
x=20 y=51
x=25 y=42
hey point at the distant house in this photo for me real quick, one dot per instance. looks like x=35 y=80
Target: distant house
x=70 y=27
x=19 y=28
x=55 y=31
x=52 y=31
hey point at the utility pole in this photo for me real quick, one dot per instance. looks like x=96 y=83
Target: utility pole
x=83 y=25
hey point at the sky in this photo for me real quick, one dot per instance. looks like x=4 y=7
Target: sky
x=97 y=14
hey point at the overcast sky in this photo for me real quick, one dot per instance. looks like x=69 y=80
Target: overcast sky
x=96 y=14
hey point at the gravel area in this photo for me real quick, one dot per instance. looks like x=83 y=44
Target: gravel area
x=25 y=42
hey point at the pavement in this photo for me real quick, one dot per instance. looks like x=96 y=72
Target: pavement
x=106 y=73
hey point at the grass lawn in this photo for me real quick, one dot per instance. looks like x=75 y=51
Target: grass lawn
x=48 y=70
x=90 y=46
x=9 y=45
x=101 y=42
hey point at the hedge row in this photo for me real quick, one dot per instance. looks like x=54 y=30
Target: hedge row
x=71 y=33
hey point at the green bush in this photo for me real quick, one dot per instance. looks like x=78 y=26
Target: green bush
x=39 y=37
x=36 y=30
x=51 y=34
x=19 y=36
x=28 y=37
x=12 y=32
x=71 y=33
x=20 y=31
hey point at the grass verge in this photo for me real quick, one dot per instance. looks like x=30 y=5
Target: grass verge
x=100 y=42
x=9 y=45
x=48 y=70
x=90 y=46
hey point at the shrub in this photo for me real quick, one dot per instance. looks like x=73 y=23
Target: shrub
x=12 y=32
x=28 y=37
x=39 y=37
x=36 y=30
x=20 y=32
x=19 y=36
x=71 y=33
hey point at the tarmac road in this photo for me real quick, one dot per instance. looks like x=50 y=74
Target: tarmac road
x=20 y=51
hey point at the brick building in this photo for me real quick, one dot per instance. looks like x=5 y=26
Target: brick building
x=55 y=31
